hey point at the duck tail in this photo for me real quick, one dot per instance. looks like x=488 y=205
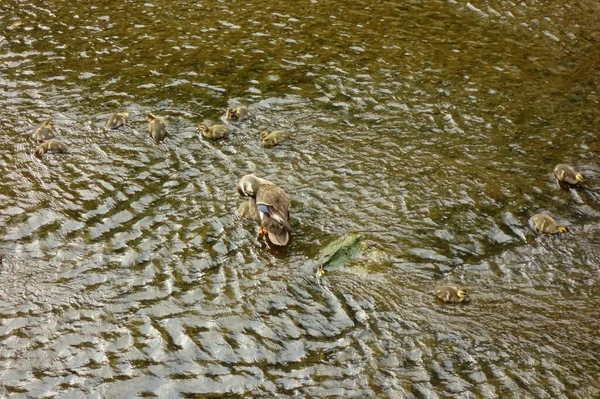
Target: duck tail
x=287 y=227
x=280 y=239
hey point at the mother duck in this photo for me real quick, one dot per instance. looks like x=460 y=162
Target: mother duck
x=272 y=206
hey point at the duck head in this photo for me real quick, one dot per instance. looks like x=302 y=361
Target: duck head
x=249 y=184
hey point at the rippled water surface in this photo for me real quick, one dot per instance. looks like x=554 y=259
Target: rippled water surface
x=430 y=127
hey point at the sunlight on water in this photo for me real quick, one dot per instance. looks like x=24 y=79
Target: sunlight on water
x=431 y=128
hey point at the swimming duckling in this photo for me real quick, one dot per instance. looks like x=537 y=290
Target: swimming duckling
x=546 y=224
x=275 y=137
x=214 y=132
x=45 y=131
x=273 y=207
x=239 y=113
x=50 y=146
x=117 y=120
x=451 y=294
x=567 y=174
x=156 y=127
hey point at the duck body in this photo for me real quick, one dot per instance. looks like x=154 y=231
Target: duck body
x=269 y=139
x=50 y=146
x=117 y=120
x=449 y=294
x=274 y=211
x=214 y=131
x=546 y=224
x=239 y=114
x=248 y=210
x=45 y=131
x=567 y=174
x=156 y=127
x=272 y=207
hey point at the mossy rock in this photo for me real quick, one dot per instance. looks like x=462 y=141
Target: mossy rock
x=341 y=251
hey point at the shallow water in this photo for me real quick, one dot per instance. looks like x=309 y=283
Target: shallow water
x=430 y=127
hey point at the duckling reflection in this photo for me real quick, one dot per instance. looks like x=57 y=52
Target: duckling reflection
x=117 y=120
x=156 y=127
x=546 y=224
x=214 y=131
x=269 y=139
x=50 y=146
x=45 y=131
x=451 y=294
x=567 y=174
x=239 y=114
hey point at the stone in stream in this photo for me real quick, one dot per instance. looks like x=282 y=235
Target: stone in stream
x=339 y=252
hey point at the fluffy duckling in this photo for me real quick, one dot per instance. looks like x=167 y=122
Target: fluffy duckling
x=156 y=127
x=451 y=294
x=567 y=174
x=272 y=207
x=214 y=132
x=547 y=224
x=117 y=120
x=269 y=139
x=239 y=114
x=50 y=146
x=45 y=131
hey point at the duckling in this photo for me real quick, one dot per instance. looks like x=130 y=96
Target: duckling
x=156 y=127
x=248 y=210
x=214 y=132
x=566 y=174
x=117 y=120
x=239 y=113
x=451 y=294
x=44 y=132
x=547 y=224
x=50 y=146
x=273 y=207
x=275 y=137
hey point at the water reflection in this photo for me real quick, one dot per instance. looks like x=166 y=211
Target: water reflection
x=432 y=128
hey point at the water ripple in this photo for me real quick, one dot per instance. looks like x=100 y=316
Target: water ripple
x=431 y=129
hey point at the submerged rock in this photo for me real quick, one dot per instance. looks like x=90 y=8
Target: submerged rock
x=341 y=251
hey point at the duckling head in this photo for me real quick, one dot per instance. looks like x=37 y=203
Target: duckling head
x=150 y=116
x=269 y=141
x=462 y=293
x=202 y=128
x=579 y=177
x=49 y=124
x=231 y=113
x=124 y=114
x=264 y=135
x=562 y=229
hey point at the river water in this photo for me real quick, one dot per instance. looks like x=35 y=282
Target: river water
x=430 y=127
